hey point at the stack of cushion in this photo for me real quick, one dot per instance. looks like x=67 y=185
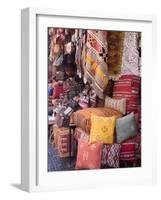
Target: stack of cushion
x=115 y=126
x=114 y=149
x=128 y=86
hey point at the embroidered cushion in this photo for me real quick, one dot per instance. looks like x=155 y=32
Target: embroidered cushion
x=126 y=127
x=117 y=104
x=110 y=155
x=89 y=155
x=127 y=152
x=102 y=129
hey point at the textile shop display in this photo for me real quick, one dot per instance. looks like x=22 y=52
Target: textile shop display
x=115 y=155
x=94 y=99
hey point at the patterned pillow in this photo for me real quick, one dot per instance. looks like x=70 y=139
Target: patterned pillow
x=102 y=129
x=127 y=152
x=117 y=104
x=126 y=127
x=111 y=155
x=137 y=141
x=89 y=155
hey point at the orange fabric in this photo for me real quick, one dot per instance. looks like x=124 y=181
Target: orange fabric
x=89 y=155
x=82 y=118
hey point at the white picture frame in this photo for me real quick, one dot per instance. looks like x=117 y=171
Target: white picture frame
x=34 y=176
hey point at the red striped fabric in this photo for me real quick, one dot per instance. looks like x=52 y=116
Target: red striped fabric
x=137 y=141
x=127 y=152
x=128 y=86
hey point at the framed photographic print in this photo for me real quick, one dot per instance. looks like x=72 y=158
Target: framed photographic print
x=86 y=106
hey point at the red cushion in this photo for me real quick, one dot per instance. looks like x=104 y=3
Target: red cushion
x=127 y=152
x=137 y=141
x=89 y=155
x=128 y=86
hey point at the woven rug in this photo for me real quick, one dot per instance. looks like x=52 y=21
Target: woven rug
x=96 y=69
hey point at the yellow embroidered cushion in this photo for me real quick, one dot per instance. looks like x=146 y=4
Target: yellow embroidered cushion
x=102 y=129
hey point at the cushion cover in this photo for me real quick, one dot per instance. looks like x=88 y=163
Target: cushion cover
x=89 y=155
x=127 y=152
x=111 y=155
x=126 y=127
x=117 y=104
x=102 y=129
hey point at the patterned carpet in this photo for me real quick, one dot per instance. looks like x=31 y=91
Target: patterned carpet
x=55 y=163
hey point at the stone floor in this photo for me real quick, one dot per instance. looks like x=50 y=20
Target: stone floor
x=55 y=163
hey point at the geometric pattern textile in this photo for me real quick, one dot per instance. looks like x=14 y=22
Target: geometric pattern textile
x=96 y=69
x=110 y=155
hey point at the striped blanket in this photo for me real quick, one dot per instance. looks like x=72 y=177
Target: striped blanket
x=96 y=69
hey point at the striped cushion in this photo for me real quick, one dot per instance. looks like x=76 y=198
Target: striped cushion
x=128 y=86
x=127 y=152
x=117 y=104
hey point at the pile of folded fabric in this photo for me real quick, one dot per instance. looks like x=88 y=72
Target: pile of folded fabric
x=94 y=82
